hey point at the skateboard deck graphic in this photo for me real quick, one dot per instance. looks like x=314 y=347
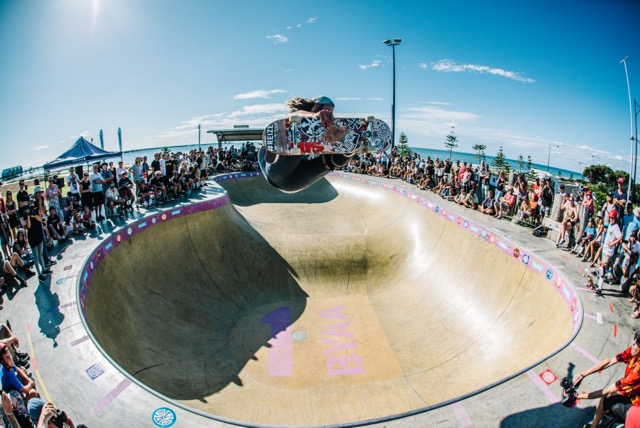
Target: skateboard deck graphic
x=299 y=135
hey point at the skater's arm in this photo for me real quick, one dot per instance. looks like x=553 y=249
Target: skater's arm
x=326 y=116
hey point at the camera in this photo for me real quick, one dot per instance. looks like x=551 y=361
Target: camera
x=60 y=418
x=28 y=209
x=569 y=392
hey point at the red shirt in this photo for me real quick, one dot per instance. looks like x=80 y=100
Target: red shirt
x=509 y=199
x=629 y=385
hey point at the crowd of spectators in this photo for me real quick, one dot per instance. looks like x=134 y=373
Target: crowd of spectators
x=606 y=237
x=30 y=223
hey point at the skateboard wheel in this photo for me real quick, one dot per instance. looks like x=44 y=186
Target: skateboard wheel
x=295 y=151
x=370 y=118
x=294 y=118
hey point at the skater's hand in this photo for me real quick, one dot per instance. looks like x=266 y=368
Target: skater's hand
x=326 y=117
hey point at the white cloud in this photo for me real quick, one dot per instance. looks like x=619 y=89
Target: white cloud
x=439 y=115
x=449 y=66
x=257 y=94
x=278 y=38
x=43 y=147
x=259 y=110
x=374 y=64
x=312 y=20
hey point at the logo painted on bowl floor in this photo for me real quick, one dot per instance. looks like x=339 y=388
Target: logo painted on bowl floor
x=164 y=417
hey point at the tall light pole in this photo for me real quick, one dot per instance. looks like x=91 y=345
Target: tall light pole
x=624 y=61
x=636 y=109
x=393 y=45
x=549 y=156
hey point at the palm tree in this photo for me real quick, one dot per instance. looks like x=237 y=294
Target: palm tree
x=479 y=148
x=452 y=141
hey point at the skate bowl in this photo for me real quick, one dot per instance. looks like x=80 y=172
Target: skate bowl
x=347 y=303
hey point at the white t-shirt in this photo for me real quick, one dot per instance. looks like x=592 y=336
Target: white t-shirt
x=73 y=182
x=613 y=233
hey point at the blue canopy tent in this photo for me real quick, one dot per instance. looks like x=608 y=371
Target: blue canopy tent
x=81 y=151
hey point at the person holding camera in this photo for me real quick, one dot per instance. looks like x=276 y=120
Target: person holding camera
x=73 y=182
x=50 y=416
x=618 y=398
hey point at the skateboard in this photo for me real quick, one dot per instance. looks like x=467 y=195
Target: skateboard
x=300 y=135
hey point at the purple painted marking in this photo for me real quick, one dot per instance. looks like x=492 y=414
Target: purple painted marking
x=79 y=341
x=107 y=399
x=462 y=415
x=543 y=387
x=584 y=352
x=334 y=329
x=343 y=365
x=334 y=313
x=281 y=351
x=339 y=347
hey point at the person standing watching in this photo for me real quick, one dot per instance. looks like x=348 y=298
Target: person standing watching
x=35 y=236
x=97 y=194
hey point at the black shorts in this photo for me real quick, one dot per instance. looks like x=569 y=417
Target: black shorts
x=97 y=198
x=616 y=406
x=87 y=200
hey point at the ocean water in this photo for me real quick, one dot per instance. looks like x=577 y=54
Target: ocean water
x=472 y=158
x=129 y=157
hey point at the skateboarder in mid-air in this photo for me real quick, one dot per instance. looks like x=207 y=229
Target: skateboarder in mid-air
x=295 y=173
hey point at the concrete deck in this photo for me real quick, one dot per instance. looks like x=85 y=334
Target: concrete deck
x=355 y=302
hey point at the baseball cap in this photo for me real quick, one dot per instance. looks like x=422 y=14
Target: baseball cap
x=613 y=215
x=38 y=189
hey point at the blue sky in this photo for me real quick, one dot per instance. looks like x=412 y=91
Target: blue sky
x=527 y=75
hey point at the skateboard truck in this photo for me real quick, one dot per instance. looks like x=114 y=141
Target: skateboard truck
x=295 y=120
x=368 y=135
